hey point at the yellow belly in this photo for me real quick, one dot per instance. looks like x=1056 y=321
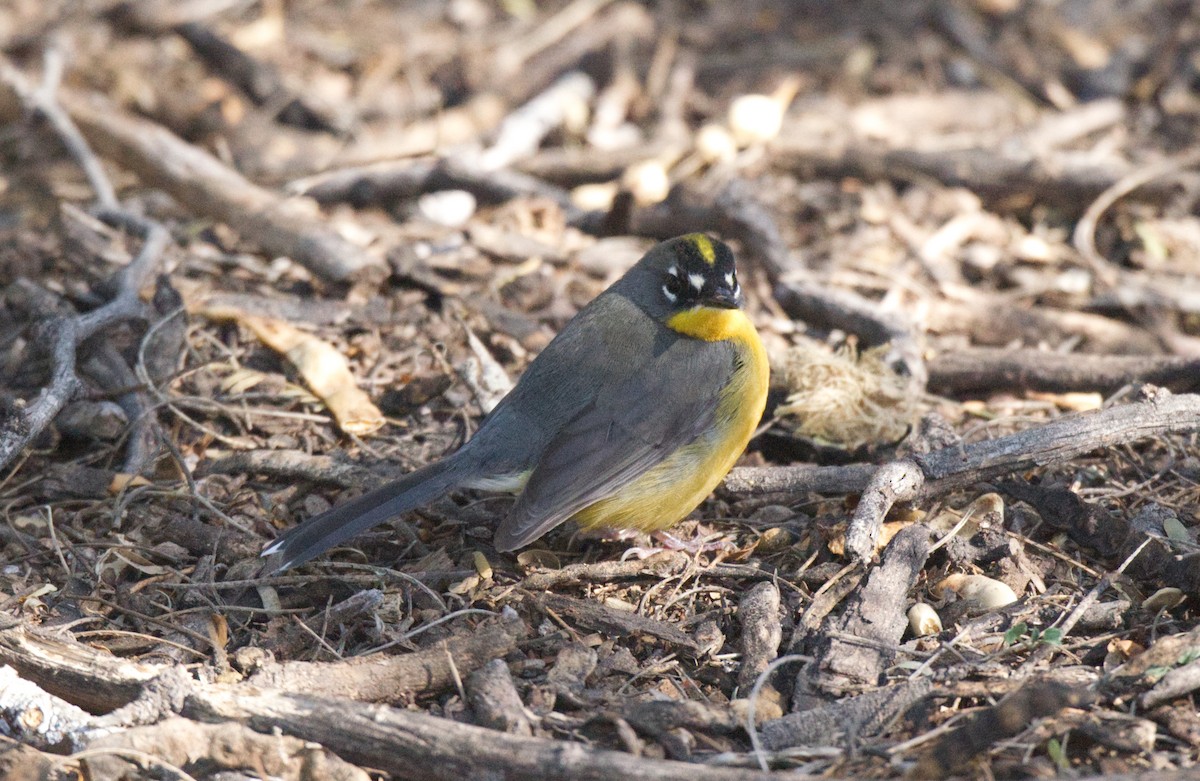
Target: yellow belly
x=667 y=493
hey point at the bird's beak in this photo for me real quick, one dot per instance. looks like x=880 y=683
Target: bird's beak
x=724 y=299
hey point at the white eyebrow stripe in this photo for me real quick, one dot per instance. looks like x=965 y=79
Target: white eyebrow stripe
x=729 y=279
x=673 y=271
x=670 y=296
x=697 y=281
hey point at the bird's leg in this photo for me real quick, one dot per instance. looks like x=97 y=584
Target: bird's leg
x=702 y=541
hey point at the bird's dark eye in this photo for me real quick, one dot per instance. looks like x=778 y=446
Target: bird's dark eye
x=673 y=285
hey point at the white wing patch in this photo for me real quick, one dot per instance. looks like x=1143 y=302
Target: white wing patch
x=697 y=281
x=670 y=296
x=729 y=280
x=673 y=271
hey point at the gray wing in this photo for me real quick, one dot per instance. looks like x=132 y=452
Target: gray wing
x=630 y=427
x=563 y=381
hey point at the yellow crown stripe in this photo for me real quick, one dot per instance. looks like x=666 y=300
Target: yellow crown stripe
x=704 y=246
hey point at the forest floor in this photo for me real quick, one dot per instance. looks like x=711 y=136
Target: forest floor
x=258 y=257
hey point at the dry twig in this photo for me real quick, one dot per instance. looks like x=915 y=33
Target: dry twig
x=66 y=333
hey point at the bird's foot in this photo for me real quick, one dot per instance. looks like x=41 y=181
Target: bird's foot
x=699 y=543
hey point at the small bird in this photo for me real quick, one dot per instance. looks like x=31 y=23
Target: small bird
x=628 y=419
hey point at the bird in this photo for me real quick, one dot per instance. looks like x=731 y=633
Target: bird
x=627 y=420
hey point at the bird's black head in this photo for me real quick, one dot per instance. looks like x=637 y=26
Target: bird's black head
x=696 y=270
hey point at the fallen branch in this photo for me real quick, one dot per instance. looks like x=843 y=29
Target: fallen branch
x=260 y=81
x=384 y=183
x=205 y=185
x=416 y=746
x=1022 y=178
x=995 y=321
x=991 y=370
x=599 y=617
x=799 y=479
x=36 y=717
x=19 y=762
x=861 y=644
x=659 y=566
x=189 y=745
x=85 y=677
x=762 y=631
x=1035 y=700
x=65 y=335
x=495 y=700
x=849 y=719
x=382 y=678
x=936 y=473
x=406 y=744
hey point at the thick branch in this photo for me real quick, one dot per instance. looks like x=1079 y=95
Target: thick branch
x=416 y=746
x=982 y=369
x=381 y=678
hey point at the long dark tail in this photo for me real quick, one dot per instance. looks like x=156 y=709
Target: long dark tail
x=322 y=532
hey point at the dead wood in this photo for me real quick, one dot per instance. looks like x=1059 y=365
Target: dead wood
x=277 y=225
x=606 y=619
x=521 y=132
x=653 y=716
x=18 y=95
x=399 y=678
x=798 y=479
x=416 y=746
x=295 y=638
x=1179 y=720
x=891 y=483
x=1019 y=179
x=461 y=124
x=185 y=744
x=261 y=82
x=104 y=365
x=660 y=565
x=386 y=183
x=762 y=632
x=845 y=723
x=862 y=643
x=558 y=44
x=495 y=700
x=1010 y=717
x=19 y=762
x=989 y=370
x=310 y=309
x=1156 y=414
x=294 y=465
x=65 y=334
x=996 y=322
x=572 y=166
x=206 y=186
x=37 y=718
x=1176 y=683
x=80 y=675
x=932 y=474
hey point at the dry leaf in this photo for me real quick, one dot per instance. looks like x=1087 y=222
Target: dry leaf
x=323 y=368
